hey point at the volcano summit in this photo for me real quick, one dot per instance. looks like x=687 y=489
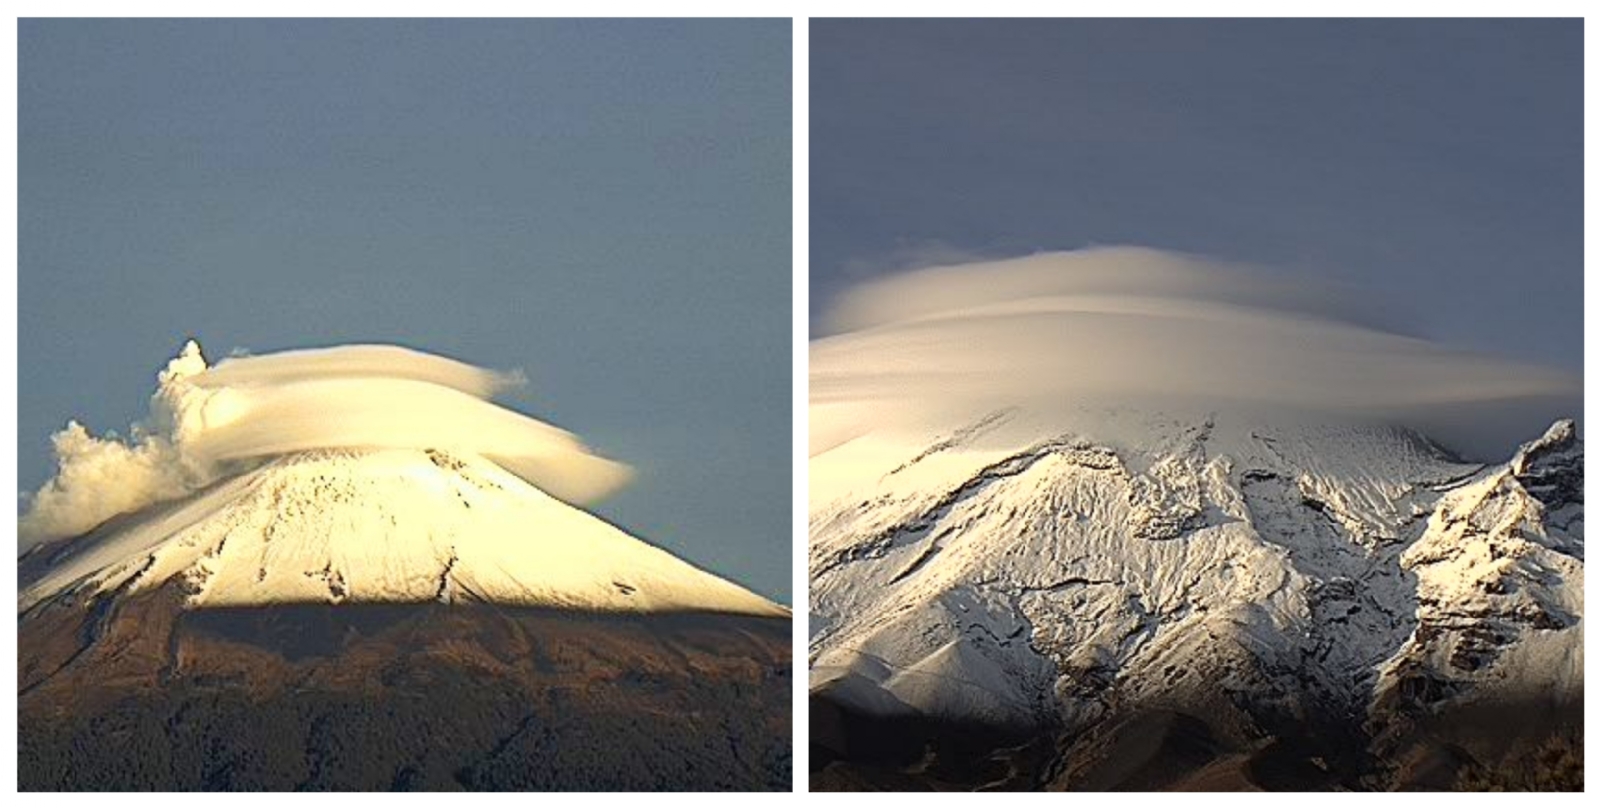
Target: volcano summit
x=346 y=569
x=1124 y=519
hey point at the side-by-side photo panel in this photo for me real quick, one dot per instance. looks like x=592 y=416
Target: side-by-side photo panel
x=405 y=405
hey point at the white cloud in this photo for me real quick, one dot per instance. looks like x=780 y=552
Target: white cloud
x=206 y=422
x=1148 y=328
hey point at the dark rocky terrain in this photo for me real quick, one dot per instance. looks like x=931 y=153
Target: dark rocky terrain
x=1172 y=751
x=137 y=693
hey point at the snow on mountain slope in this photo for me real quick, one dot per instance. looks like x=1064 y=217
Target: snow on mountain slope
x=1124 y=500
x=1063 y=488
x=1004 y=573
x=353 y=474
x=1499 y=595
x=382 y=526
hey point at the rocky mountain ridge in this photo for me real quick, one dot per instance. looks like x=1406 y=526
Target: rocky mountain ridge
x=1352 y=591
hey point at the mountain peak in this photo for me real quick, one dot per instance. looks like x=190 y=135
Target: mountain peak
x=1559 y=438
x=380 y=526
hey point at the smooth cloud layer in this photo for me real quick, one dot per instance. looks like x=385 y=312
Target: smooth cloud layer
x=1152 y=329
x=207 y=422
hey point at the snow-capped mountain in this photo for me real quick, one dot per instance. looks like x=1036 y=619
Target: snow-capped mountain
x=1066 y=572
x=384 y=526
x=1122 y=517
x=328 y=577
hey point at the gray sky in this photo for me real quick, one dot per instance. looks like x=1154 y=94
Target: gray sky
x=1437 y=164
x=605 y=205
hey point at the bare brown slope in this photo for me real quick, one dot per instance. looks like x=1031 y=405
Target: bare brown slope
x=138 y=693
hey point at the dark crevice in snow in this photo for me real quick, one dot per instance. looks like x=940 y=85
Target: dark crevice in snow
x=338 y=590
x=444 y=593
x=1003 y=642
x=1063 y=584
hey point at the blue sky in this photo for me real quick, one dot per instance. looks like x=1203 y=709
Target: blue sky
x=1436 y=164
x=605 y=205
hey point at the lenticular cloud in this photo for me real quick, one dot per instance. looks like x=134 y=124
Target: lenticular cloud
x=1147 y=328
x=208 y=422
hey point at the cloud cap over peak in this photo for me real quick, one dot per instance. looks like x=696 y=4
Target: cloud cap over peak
x=207 y=421
x=1149 y=328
